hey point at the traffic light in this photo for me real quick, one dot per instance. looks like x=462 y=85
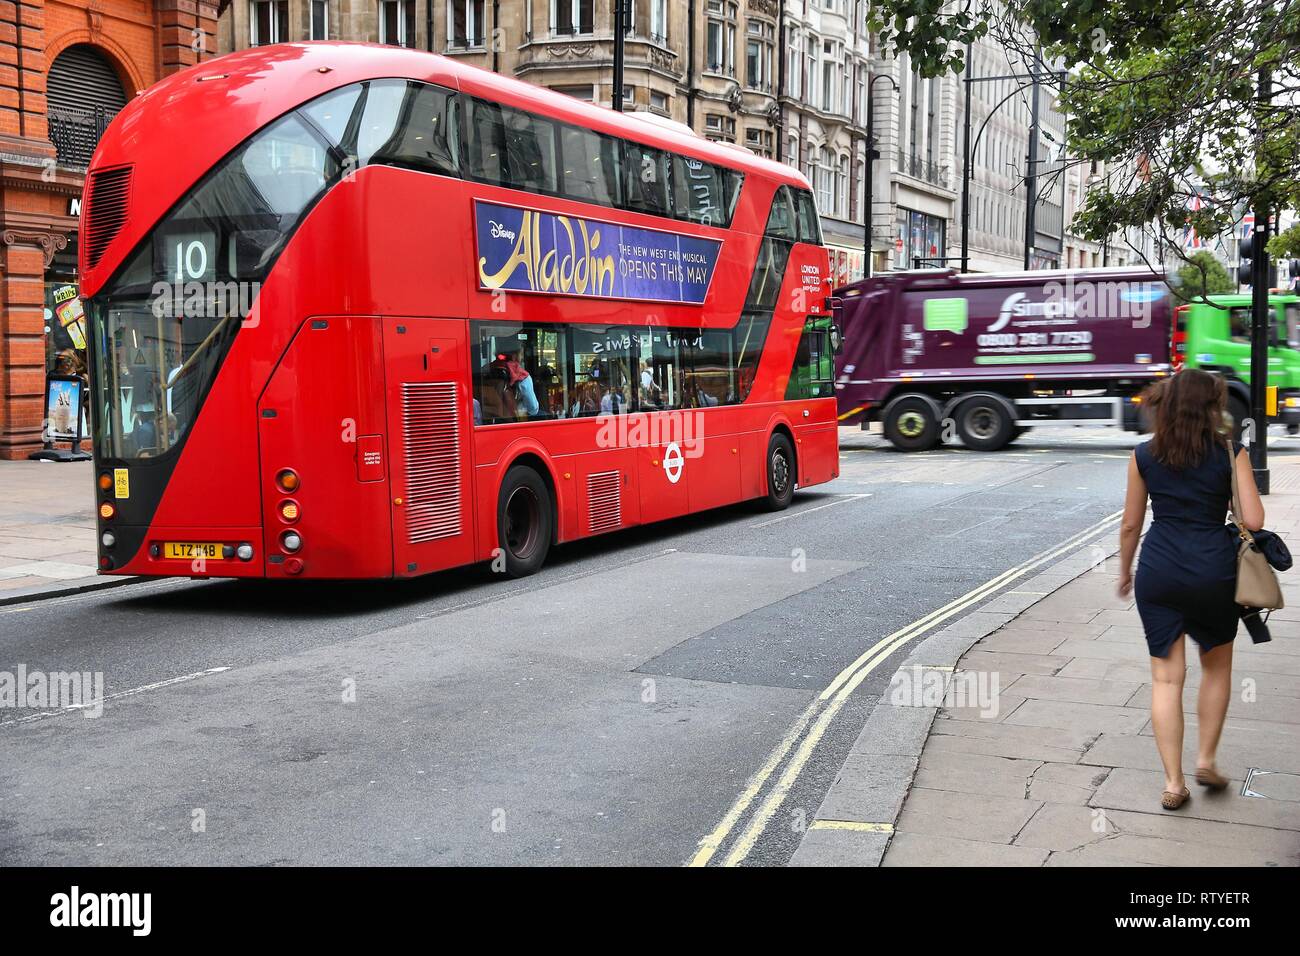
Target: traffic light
x=1246 y=267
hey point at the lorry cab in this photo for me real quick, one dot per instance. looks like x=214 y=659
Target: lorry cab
x=1215 y=336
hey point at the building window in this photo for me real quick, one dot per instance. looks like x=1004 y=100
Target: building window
x=720 y=128
x=758 y=54
x=573 y=17
x=466 y=28
x=397 y=22
x=270 y=21
x=659 y=21
x=759 y=140
x=720 y=39
x=659 y=102
x=793 y=74
x=585 y=92
x=842 y=188
x=320 y=20
x=810 y=85
x=829 y=70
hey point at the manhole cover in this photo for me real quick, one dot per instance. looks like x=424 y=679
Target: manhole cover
x=1271 y=785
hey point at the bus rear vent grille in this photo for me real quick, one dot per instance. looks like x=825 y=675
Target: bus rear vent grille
x=431 y=441
x=604 y=501
x=107 y=200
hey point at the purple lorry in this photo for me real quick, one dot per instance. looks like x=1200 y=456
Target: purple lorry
x=931 y=355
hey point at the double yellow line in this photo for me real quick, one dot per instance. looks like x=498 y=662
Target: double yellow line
x=817 y=717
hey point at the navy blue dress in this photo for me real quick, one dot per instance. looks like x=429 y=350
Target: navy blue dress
x=1187 y=572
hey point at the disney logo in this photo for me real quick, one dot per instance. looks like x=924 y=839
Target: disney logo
x=501 y=232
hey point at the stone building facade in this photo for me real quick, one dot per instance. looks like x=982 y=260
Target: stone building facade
x=66 y=67
x=789 y=79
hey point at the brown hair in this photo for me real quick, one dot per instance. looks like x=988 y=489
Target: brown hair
x=1188 y=414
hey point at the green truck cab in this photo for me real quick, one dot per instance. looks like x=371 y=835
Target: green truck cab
x=1217 y=338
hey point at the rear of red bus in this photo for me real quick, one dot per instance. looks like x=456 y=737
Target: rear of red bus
x=280 y=363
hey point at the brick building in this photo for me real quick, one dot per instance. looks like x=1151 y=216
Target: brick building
x=66 y=67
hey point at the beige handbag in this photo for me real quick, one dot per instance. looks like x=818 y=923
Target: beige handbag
x=1257 y=584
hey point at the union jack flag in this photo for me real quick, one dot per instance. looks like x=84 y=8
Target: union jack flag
x=1247 y=224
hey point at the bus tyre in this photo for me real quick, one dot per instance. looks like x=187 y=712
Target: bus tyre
x=781 y=473
x=1238 y=412
x=912 y=423
x=984 y=424
x=525 y=522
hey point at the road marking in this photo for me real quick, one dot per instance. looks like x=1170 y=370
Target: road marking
x=844 y=497
x=851 y=825
x=833 y=699
x=129 y=692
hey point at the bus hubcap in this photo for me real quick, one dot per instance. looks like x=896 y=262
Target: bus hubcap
x=911 y=424
x=522 y=511
x=780 y=472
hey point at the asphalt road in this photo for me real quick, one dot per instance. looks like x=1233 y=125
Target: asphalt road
x=608 y=710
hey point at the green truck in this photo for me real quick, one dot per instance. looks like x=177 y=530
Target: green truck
x=1217 y=338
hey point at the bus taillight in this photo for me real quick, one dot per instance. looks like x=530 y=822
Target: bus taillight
x=287 y=480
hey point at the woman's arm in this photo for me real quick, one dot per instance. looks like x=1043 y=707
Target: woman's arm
x=1252 y=508
x=1130 y=526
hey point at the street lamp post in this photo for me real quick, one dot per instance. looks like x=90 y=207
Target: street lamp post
x=868 y=174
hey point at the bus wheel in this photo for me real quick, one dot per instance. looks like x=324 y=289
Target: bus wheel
x=983 y=424
x=525 y=521
x=912 y=423
x=780 y=473
x=1238 y=412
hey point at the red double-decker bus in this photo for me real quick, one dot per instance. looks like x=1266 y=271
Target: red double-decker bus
x=361 y=312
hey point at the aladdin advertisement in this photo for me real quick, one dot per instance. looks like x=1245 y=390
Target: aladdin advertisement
x=527 y=250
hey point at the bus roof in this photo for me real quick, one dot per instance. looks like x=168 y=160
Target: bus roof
x=177 y=130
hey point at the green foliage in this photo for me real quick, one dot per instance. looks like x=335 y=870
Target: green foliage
x=1203 y=275
x=1163 y=93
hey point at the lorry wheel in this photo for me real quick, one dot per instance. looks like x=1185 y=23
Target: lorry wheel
x=1293 y=429
x=1237 y=415
x=911 y=424
x=525 y=521
x=983 y=424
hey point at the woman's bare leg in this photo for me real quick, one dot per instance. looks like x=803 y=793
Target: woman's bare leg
x=1212 y=702
x=1167 y=675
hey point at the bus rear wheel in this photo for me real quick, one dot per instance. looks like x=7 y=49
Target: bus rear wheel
x=525 y=522
x=780 y=473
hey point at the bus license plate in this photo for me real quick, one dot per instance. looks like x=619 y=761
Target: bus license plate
x=188 y=550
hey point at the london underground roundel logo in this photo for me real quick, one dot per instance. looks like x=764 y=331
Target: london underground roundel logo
x=674 y=461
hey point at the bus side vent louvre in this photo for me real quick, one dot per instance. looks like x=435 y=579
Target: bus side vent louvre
x=107 y=200
x=431 y=441
x=604 y=501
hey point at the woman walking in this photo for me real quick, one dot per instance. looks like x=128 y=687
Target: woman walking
x=1186 y=577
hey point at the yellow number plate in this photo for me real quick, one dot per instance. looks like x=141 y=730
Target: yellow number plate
x=189 y=550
